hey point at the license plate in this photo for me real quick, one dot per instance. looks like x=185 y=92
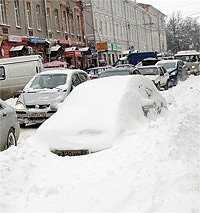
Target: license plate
x=71 y=152
x=37 y=114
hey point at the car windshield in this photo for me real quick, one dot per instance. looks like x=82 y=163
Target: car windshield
x=168 y=65
x=48 y=81
x=149 y=71
x=113 y=73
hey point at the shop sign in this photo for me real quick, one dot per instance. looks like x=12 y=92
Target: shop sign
x=73 y=53
x=93 y=54
x=114 y=47
x=36 y=40
x=13 y=38
x=1 y=40
x=102 y=46
x=109 y=46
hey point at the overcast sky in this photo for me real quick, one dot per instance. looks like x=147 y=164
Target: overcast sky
x=189 y=8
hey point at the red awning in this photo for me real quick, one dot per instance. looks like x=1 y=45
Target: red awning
x=73 y=53
x=55 y=64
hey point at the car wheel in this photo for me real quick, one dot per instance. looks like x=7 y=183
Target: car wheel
x=22 y=125
x=158 y=85
x=166 y=85
x=11 y=139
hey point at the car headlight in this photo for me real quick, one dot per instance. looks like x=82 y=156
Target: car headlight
x=19 y=106
x=173 y=73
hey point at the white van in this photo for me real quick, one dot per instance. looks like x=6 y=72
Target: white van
x=16 y=72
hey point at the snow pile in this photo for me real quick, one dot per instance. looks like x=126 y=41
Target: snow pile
x=96 y=112
x=153 y=168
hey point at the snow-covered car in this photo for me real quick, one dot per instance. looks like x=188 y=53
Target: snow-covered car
x=42 y=95
x=157 y=74
x=9 y=127
x=176 y=69
x=87 y=123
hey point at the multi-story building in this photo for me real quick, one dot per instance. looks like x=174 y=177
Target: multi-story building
x=116 y=26
x=45 y=27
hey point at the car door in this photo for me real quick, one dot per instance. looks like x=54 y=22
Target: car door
x=166 y=74
x=161 y=76
x=5 y=123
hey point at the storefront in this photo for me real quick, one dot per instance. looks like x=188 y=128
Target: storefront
x=13 y=46
x=72 y=56
x=38 y=46
x=109 y=52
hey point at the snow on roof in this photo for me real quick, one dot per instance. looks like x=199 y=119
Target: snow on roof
x=187 y=52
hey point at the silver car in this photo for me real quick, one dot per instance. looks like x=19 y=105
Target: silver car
x=9 y=127
x=43 y=94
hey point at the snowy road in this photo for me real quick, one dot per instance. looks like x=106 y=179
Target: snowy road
x=153 y=169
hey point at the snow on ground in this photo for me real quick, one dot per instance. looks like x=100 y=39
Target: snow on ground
x=153 y=169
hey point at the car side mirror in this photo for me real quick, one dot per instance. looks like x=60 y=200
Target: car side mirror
x=17 y=94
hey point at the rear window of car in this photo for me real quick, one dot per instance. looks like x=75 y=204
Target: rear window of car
x=167 y=65
x=48 y=81
x=113 y=73
x=149 y=71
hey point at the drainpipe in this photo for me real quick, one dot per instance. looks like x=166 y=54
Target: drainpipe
x=113 y=26
x=45 y=8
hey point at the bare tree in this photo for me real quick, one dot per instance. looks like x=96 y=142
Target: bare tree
x=182 y=33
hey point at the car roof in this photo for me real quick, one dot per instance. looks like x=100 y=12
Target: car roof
x=152 y=66
x=167 y=61
x=61 y=71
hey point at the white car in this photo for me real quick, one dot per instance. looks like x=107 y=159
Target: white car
x=157 y=74
x=45 y=91
x=96 y=113
x=9 y=127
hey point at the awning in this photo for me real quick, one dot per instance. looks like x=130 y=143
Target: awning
x=84 y=49
x=17 y=48
x=55 y=48
x=55 y=64
x=70 y=49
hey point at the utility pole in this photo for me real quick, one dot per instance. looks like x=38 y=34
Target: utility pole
x=113 y=26
x=126 y=24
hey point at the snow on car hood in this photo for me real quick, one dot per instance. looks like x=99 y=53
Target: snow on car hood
x=41 y=97
x=96 y=112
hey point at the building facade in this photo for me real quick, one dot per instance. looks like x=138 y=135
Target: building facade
x=45 y=27
x=115 y=26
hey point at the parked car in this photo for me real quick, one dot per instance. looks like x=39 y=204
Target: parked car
x=16 y=72
x=42 y=95
x=176 y=69
x=9 y=127
x=157 y=74
x=86 y=123
x=96 y=71
x=117 y=71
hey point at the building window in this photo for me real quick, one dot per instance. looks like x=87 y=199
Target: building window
x=38 y=17
x=48 y=20
x=64 y=22
x=28 y=12
x=106 y=28
x=71 y=24
x=2 y=12
x=101 y=28
x=57 y=20
x=16 y=9
x=78 y=26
